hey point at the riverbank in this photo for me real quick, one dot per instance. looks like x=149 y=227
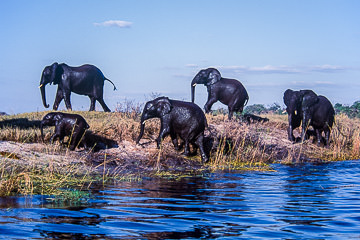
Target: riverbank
x=233 y=145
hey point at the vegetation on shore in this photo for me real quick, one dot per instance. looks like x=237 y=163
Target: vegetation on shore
x=233 y=145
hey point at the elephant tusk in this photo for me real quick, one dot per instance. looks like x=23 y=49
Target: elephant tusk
x=194 y=84
x=41 y=85
x=145 y=121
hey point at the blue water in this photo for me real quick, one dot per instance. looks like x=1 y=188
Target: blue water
x=294 y=202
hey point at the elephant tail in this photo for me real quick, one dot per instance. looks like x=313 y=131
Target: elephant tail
x=246 y=100
x=111 y=83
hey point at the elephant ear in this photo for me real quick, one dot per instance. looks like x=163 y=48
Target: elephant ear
x=213 y=77
x=309 y=99
x=58 y=116
x=56 y=72
x=164 y=107
x=287 y=96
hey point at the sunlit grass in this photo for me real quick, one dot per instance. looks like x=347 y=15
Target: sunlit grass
x=236 y=146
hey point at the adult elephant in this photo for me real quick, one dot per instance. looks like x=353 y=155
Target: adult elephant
x=306 y=108
x=178 y=119
x=84 y=80
x=228 y=91
x=319 y=113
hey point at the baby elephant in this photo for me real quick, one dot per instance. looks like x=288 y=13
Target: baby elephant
x=253 y=118
x=71 y=125
x=178 y=119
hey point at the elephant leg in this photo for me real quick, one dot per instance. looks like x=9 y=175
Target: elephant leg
x=53 y=137
x=231 y=112
x=209 y=104
x=163 y=133
x=75 y=139
x=187 y=148
x=290 y=134
x=174 y=141
x=67 y=100
x=92 y=104
x=290 y=129
x=58 y=134
x=195 y=148
x=200 y=143
x=103 y=105
x=305 y=126
x=327 y=137
x=59 y=97
x=235 y=106
x=318 y=136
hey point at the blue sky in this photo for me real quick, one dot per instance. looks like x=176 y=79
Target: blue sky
x=151 y=46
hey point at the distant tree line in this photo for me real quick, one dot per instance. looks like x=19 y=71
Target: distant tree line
x=257 y=109
x=352 y=111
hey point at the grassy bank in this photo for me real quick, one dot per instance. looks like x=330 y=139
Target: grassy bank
x=28 y=166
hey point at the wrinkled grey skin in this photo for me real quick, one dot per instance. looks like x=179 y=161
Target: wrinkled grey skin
x=66 y=124
x=307 y=109
x=228 y=91
x=84 y=80
x=178 y=119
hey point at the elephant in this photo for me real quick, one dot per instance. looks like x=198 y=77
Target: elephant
x=178 y=119
x=66 y=124
x=253 y=118
x=319 y=113
x=292 y=100
x=84 y=80
x=228 y=91
x=306 y=108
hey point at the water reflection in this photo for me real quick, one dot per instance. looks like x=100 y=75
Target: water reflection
x=307 y=206
x=305 y=201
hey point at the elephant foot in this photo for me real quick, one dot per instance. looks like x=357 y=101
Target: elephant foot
x=205 y=159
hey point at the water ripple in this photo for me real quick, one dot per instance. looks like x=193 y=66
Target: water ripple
x=294 y=202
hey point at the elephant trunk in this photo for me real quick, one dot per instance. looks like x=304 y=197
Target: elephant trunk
x=305 y=126
x=142 y=127
x=192 y=93
x=42 y=89
x=193 y=84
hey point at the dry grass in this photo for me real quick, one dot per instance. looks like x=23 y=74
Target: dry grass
x=235 y=145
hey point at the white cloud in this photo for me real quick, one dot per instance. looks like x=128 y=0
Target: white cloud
x=283 y=69
x=191 y=65
x=327 y=68
x=114 y=23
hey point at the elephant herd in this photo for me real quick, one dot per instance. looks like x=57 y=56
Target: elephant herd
x=179 y=119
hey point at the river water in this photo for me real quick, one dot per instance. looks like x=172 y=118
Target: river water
x=305 y=201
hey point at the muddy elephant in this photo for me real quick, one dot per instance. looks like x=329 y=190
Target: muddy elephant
x=84 y=80
x=66 y=124
x=306 y=108
x=178 y=119
x=228 y=91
